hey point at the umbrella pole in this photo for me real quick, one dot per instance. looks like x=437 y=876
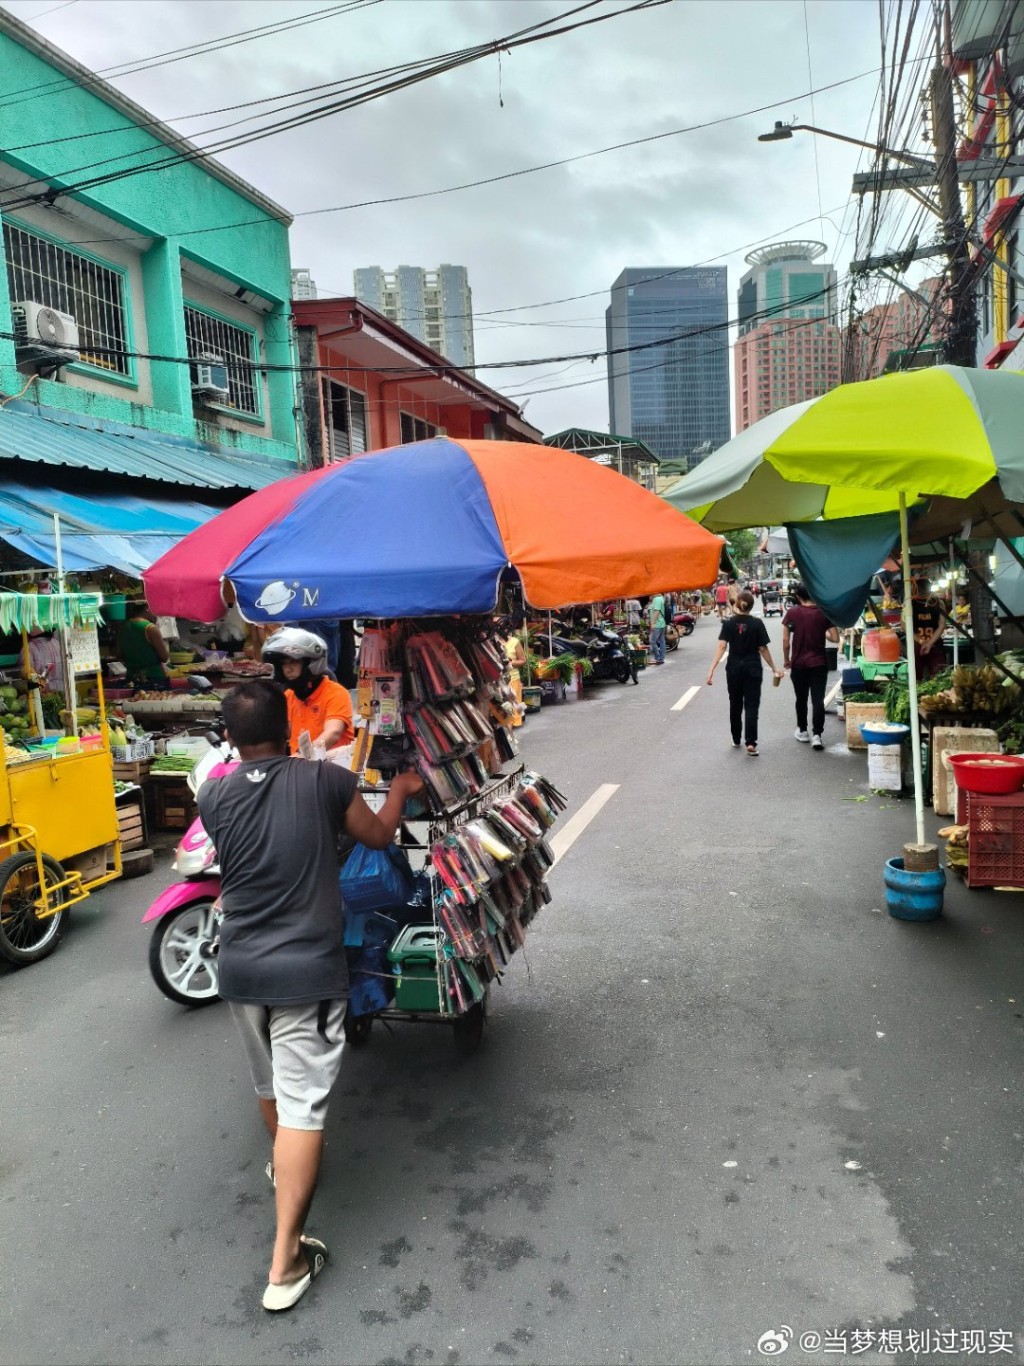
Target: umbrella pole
x=908 y=629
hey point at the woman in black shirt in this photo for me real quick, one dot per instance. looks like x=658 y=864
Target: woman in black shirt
x=746 y=639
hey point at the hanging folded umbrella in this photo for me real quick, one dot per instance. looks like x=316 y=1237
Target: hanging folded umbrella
x=872 y=447
x=430 y=528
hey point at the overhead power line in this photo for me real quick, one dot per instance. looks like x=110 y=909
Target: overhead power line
x=446 y=367
x=468 y=185
x=533 y=33
x=178 y=54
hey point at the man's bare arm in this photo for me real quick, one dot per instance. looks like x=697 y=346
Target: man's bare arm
x=377 y=830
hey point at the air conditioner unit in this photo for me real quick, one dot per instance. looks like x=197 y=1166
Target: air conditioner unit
x=211 y=379
x=45 y=334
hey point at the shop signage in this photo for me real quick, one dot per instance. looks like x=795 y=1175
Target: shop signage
x=84 y=649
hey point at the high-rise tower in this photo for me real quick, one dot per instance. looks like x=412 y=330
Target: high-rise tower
x=668 y=361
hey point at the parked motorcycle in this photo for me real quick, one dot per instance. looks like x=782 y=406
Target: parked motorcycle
x=603 y=647
x=183 y=947
x=684 y=622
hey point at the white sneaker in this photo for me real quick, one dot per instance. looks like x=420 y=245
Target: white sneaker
x=817 y=742
x=802 y=736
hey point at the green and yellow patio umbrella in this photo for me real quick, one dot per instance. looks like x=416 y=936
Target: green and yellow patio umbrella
x=879 y=446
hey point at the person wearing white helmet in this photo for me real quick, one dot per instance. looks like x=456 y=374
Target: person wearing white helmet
x=316 y=704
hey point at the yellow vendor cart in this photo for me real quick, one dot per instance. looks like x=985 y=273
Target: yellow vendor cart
x=58 y=820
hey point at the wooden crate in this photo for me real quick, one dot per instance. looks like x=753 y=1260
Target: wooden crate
x=131 y=824
x=174 y=807
x=135 y=772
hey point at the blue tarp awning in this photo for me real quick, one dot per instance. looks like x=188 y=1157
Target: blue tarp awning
x=837 y=560
x=98 y=530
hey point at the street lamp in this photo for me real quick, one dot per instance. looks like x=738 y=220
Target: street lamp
x=783 y=131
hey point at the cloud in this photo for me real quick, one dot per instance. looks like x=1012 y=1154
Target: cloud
x=556 y=233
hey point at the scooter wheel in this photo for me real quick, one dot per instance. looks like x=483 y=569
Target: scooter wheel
x=180 y=954
x=622 y=671
x=687 y=628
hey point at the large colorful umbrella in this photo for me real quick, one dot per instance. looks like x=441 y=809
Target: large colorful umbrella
x=867 y=448
x=430 y=528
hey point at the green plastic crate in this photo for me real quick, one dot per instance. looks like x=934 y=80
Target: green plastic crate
x=414 y=955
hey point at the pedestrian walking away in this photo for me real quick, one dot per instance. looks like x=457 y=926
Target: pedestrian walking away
x=805 y=629
x=722 y=598
x=656 y=621
x=746 y=639
x=276 y=822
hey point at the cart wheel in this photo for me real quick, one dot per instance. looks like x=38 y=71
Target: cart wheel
x=24 y=936
x=357 y=1029
x=468 y=1029
x=672 y=637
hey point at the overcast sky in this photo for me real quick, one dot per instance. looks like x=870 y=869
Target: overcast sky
x=701 y=196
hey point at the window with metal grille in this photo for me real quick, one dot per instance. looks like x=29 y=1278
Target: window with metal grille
x=207 y=335
x=415 y=429
x=41 y=271
x=345 y=410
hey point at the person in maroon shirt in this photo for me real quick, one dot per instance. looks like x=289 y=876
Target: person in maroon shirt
x=805 y=629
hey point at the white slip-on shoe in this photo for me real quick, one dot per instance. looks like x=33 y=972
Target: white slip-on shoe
x=817 y=742
x=802 y=736
x=279 y=1297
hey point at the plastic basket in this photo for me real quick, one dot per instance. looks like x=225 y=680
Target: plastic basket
x=414 y=957
x=995 y=854
x=194 y=746
x=133 y=751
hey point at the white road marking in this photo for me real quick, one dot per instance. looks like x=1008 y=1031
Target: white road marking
x=575 y=826
x=687 y=696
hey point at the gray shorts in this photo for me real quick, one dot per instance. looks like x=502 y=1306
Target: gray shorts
x=291 y=1060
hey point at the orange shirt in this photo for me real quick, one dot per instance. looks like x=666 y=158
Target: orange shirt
x=328 y=701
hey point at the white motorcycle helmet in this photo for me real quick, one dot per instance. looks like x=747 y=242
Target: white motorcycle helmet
x=293 y=642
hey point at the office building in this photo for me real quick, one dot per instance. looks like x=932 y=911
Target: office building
x=788 y=347
x=673 y=397
x=436 y=306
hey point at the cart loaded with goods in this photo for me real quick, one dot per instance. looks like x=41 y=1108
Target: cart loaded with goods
x=432 y=924
x=59 y=835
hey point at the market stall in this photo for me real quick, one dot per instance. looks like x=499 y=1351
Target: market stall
x=59 y=834
x=418 y=541
x=871 y=450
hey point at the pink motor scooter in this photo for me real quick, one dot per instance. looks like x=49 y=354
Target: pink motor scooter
x=183 y=949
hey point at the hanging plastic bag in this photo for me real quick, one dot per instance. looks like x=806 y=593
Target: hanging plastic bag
x=376 y=879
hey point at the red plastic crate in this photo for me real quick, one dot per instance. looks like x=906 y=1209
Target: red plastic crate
x=996 y=840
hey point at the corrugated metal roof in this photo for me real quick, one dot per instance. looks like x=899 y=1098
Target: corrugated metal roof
x=136 y=453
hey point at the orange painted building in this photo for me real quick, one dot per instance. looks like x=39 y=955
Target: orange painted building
x=366 y=384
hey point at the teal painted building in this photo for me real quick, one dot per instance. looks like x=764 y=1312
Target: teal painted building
x=162 y=264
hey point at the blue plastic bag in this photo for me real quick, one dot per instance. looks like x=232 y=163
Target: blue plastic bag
x=375 y=879
x=371 y=984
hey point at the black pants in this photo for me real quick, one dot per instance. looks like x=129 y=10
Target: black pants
x=744 y=686
x=810 y=682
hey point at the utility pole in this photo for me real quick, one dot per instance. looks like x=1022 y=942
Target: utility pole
x=962 y=338
x=961 y=346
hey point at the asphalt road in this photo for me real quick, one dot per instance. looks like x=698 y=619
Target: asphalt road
x=722 y=1093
